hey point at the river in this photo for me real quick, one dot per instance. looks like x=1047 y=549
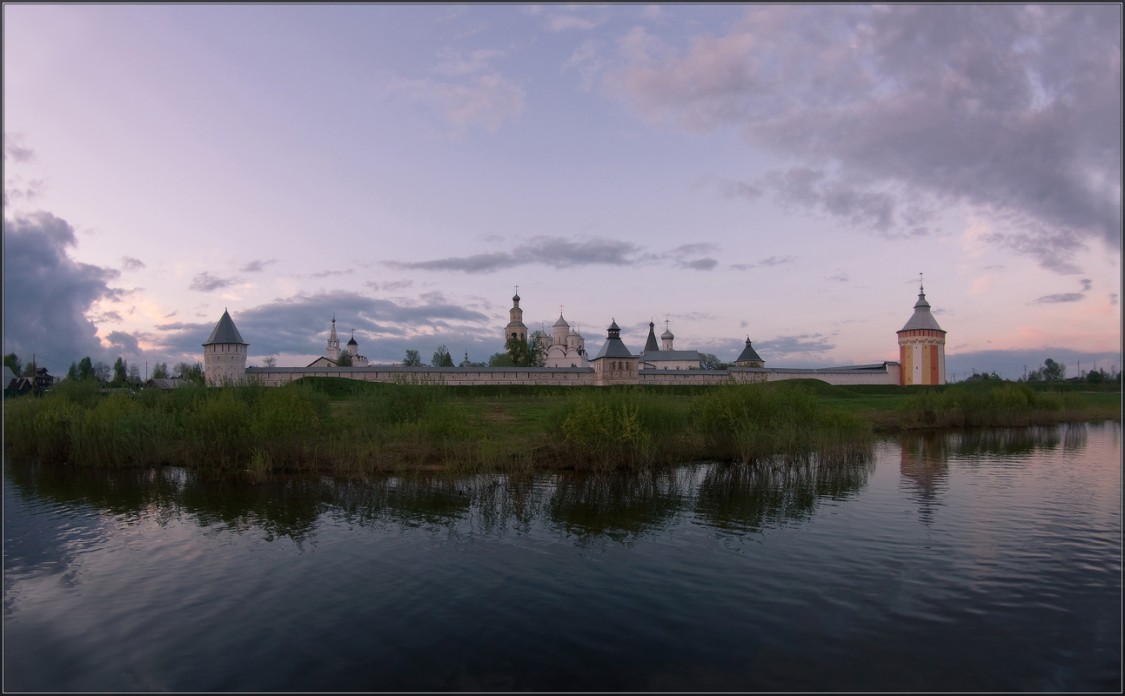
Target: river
x=986 y=561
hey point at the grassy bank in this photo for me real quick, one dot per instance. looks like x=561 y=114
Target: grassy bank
x=347 y=427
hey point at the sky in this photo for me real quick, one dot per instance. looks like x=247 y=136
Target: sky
x=784 y=173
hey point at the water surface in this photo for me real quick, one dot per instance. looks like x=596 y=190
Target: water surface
x=964 y=562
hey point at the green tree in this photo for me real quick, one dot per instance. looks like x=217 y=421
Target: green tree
x=707 y=361
x=412 y=359
x=524 y=353
x=134 y=374
x=12 y=362
x=345 y=359
x=192 y=373
x=1053 y=371
x=160 y=371
x=120 y=373
x=86 y=369
x=501 y=360
x=102 y=372
x=442 y=358
x=72 y=373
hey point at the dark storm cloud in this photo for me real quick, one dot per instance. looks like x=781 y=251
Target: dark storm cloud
x=299 y=326
x=1013 y=110
x=205 y=282
x=547 y=251
x=123 y=342
x=47 y=295
x=801 y=344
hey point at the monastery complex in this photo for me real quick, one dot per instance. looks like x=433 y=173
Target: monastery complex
x=921 y=360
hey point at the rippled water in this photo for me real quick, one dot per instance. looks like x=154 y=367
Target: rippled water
x=984 y=562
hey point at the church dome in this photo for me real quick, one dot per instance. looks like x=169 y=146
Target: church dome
x=667 y=335
x=561 y=323
x=352 y=342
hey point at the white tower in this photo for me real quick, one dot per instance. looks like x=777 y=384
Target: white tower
x=224 y=354
x=921 y=346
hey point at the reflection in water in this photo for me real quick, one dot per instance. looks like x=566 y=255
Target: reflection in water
x=618 y=506
x=925 y=470
x=925 y=456
x=128 y=580
x=748 y=497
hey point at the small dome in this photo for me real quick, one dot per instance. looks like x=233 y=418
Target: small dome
x=352 y=342
x=515 y=298
x=667 y=335
x=562 y=322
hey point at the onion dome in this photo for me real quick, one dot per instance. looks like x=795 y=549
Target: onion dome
x=561 y=323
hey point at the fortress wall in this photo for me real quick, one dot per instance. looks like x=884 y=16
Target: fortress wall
x=451 y=376
x=568 y=376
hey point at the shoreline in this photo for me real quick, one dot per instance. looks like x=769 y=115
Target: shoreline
x=341 y=427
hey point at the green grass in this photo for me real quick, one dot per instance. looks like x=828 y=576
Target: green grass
x=350 y=427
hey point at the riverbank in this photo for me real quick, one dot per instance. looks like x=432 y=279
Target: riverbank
x=351 y=428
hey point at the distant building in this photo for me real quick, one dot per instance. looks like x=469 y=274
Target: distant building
x=614 y=363
x=515 y=328
x=664 y=356
x=921 y=346
x=564 y=347
x=224 y=354
x=749 y=357
x=331 y=357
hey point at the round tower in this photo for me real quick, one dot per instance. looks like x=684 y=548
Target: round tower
x=921 y=346
x=224 y=354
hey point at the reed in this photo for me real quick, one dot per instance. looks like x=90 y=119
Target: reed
x=752 y=423
x=1005 y=404
x=355 y=428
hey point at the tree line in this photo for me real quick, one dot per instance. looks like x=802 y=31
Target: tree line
x=119 y=375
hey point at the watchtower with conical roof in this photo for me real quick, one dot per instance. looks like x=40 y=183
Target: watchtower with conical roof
x=921 y=346
x=614 y=363
x=224 y=354
x=749 y=357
